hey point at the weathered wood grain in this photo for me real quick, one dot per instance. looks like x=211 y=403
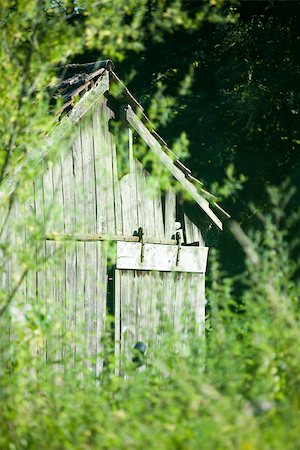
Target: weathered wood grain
x=88 y=174
x=90 y=98
x=170 y=214
x=100 y=178
x=145 y=212
x=117 y=318
x=129 y=204
x=79 y=193
x=192 y=232
x=91 y=302
x=128 y=315
x=116 y=188
x=100 y=302
x=161 y=257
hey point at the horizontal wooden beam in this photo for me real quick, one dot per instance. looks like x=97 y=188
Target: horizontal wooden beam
x=93 y=237
x=155 y=146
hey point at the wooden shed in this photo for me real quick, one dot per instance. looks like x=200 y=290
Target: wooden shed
x=116 y=244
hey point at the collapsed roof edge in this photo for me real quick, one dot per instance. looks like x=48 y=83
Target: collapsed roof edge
x=90 y=78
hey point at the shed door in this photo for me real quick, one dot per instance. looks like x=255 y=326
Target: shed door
x=157 y=289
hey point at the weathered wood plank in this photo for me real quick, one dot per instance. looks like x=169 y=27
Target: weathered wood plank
x=69 y=256
x=117 y=318
x=41 y=287
x=161 y=257
x=129 y=204
x=100 y=302
x=60 y=304
x=130 y=151
x=197 y=291
x=70 y=296
x=170 y=214
x=192 y=232
x=80 y=323
x=49 y=269
x=108 y=175
x=144 y=205
x=99 y=129
x=93 y=237
x=88 y=174
x=128 y=316
x=116 y=188
x=31 y=277
x=178 y=312
x=58 y=206
x=90 y=98
x=91 y=292
x=79 y=194
x=158 y=216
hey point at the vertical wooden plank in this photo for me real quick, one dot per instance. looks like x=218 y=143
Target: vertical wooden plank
x=159 y=231
x=60 y=304
x=59 y=267
x=90 y=210
x=170 y=214
x=49 y=249
x=88 y=174
x=90 y=303
x=140 y=299
x=130 y=151
x=165 y=306
x=187 y=311
x=161 y=296
x=144 y=202
x=128 y=316
x=70 y=297
x=99 y=130
x=31 y=279
x=100 y=311
x=176 y=313
x=192 y=232
x=116 y=189
x=58 y=209
x=80 y=305
x=197 y=293
x=40 y=253
x=69 y=185
x=129 y=204
x=50 y=282
x=79 y=195
x=117 y=312
x=107 y=158
x=152 y=295
x=78 y=310
x=142 y=212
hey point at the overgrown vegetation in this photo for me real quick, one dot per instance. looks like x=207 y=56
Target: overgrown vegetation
x=247 y=395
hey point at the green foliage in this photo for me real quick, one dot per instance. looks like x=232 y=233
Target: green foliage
x=246 y=396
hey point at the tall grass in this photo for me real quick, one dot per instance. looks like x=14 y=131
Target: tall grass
x=247 y=396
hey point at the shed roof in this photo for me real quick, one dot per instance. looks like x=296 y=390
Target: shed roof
x=82 y=80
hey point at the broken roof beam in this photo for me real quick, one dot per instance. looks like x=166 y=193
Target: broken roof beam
x=146 y=135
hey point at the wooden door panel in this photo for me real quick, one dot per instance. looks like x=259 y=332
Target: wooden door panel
x=148 y=303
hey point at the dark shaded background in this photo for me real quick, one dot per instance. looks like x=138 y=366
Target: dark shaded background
x=242 y=107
